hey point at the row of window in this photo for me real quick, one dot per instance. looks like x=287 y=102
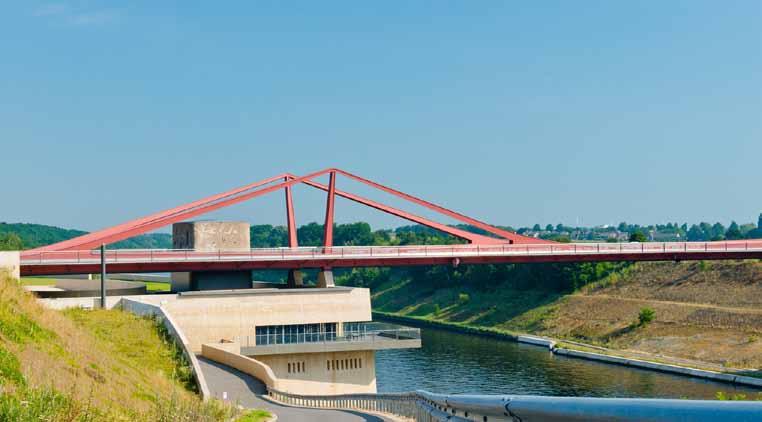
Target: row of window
x=295 y=333
x=343 y=364
x=330 y=365
x=295 y=367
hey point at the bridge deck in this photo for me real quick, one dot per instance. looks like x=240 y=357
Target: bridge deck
x=160 y=260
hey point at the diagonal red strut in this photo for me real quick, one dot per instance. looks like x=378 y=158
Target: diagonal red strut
x=244 y=193
x=471 y=237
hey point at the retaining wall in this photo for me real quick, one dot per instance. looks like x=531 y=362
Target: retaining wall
x=142 y=308
x=229 y=354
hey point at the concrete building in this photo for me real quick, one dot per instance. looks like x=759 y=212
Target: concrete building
x=211 y=236
x=299 y=340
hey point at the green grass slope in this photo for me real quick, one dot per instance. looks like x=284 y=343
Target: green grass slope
x=94 y=365
x=708 y=312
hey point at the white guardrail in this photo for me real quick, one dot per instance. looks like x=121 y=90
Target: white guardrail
x=424 y=406
x=355 y=252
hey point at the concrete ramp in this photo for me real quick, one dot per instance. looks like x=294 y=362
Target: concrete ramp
x=249 y=391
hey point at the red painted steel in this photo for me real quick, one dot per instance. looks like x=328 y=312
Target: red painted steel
x=209 y=206
x=329 y=203
x=82 y=262
x=513 y=237
x=131 y=228
x=290 y=220
x=253 y=190
x=471 y=237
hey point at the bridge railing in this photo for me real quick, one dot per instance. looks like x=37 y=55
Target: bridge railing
x=180 y=255
x=424 y=406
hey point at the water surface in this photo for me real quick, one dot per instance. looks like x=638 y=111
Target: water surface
x=452 y=362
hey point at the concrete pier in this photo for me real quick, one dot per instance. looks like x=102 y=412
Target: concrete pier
x=211 y=236
x=325 y=278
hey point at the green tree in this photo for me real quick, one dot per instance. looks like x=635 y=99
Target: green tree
x=695 y=234
x=10 y=242
x=718 y=231
x=638 y=236
x=646 y=316
x=734 y=232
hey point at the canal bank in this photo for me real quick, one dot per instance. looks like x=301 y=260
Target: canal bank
x=579 y=351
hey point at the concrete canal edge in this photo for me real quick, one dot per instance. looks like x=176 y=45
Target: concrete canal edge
x=662 y=367
x=551 y=345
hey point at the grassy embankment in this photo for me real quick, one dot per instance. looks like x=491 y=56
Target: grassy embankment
x=93 y=365
x=706 y=314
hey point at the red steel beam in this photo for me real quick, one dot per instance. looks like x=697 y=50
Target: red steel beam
x=513 y=237
x=183 y=212
x=97 y=238
x=329 y=203
x=190 y=213
x=471 y=237
x=317 y=262
x=290 y=221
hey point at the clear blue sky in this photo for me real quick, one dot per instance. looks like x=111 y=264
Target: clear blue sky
x=512 y=112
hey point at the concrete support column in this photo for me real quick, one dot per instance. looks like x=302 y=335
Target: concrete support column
x=325 y=278
x=295 y=278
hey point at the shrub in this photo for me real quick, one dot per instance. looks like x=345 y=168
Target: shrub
x=646 y=316
x=703 y=266
x=463 y=298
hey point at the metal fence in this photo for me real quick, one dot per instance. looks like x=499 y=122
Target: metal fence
x=428 y=407
x=338 y=252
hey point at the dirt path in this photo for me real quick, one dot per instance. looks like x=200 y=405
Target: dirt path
x=667 y=302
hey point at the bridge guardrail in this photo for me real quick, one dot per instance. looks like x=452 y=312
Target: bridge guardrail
x=425 y=406
x=338 y=252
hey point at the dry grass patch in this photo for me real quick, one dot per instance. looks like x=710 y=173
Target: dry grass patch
x=91 y=365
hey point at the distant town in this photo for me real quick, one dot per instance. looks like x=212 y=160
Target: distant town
x=670 y=232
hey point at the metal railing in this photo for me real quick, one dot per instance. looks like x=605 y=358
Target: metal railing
x=354 y=252
x=366 y=335
x=424 y=406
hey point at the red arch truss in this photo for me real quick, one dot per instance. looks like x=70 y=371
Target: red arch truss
x=285 y=181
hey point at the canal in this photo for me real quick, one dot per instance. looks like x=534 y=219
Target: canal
x=452 y=362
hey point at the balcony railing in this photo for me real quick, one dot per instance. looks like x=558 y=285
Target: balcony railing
x=366 y=332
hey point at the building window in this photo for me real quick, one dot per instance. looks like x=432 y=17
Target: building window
x=295 y=367
x=341 y=364
x=295 y=333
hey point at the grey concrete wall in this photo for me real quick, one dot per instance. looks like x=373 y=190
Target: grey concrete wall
x=211 y=236
x=10 y=262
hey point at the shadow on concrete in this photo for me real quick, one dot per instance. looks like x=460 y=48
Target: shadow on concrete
x=244 y=389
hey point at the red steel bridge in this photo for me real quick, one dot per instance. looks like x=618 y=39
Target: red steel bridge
x=78 y=255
